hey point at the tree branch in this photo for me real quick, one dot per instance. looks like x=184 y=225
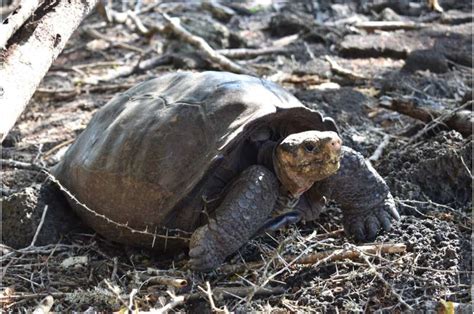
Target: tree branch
x=25 y=63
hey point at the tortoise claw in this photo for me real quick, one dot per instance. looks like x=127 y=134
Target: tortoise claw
x=364 y=225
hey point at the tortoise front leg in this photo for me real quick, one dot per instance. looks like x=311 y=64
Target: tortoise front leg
x=362 y=194
x=245 y=208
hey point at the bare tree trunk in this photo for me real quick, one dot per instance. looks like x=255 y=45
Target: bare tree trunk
x=12 y=23
x=25 y=61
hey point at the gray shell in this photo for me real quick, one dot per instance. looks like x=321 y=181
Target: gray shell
x=145 y=151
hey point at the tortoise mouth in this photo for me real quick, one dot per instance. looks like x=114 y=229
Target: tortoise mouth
x=334 y=161
x=317 y=163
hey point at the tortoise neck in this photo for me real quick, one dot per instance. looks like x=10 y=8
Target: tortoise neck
x=265 y=155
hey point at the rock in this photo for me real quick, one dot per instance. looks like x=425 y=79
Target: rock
x=454 y=17
x=22 y=211
x=216 y=34
x=345 y=105
x=218 y=11
x=424 y=83
x=393 y=45
x=467 y=97
x=287 y=23
x=456 y=47
x=388 y=14
x=12 y=138
x=435 y=169
x=426 y=59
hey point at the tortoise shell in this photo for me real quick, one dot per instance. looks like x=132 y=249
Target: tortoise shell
x=146 y=157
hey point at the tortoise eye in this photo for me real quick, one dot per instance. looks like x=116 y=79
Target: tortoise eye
x=310 y=147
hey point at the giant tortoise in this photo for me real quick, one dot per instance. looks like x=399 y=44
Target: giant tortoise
x=206 y=160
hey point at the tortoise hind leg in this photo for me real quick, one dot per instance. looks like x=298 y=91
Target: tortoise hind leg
x=245 y=208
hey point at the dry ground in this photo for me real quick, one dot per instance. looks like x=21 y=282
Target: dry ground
x=428 y=166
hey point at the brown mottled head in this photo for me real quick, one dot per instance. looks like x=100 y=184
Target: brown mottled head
x=304 y=158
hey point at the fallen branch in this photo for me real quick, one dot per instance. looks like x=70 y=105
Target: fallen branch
x=30 y=296
x=434 y=5
x=175 y=301
x=112 y=41
x=379 y=150
x=128 y=70
x=68 y=93
x=38 y=229
x=331 y=256
x=20 y=165
x=165 y=280
x=45 y=305
x=362 y=254
x=342 y=71
x=242 y=53
x=459 y=119
x=210 y=297
x=25 y=63
x=128 y=18
x=353 y=252
x=242 y=292
x=117 y=295
x=13 y=22
x=173 y=26
x=389 y=25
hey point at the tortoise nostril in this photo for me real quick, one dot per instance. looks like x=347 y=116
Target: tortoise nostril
x=335 y=144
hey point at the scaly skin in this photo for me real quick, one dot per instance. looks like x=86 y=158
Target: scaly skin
x=245 y=208
x=363 y=195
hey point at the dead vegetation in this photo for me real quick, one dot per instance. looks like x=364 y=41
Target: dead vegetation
x=396 y=76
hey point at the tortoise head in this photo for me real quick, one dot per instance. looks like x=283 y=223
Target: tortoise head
x=304 y=158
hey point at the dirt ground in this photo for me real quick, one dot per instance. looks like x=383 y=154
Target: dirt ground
x=332 y=63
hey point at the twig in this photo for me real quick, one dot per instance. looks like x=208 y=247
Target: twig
x=458 y=119
x=57 y=147
x=295 y=260
x=32 y=296
x=113 y=41
x=112 y=16
x=208 y=293
x=174 y=26
x=68 y=93
x=342 y=71
x=465 y=166
x=166 y=280
x=379 y=151
x=120 y=225
x=45 y=305
x=46 y=249
x=242 y=292
x=12 y=23
x=389 y=25
x=242 y=53
x=353 y=252
x=175 y=301
x=117 y=295
x=114 y=268
x=363 y=255
x=131 y=297
x=20 y=165
x=128 y=70
x=332 y=255
x=434 y=5
x=40 y=225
